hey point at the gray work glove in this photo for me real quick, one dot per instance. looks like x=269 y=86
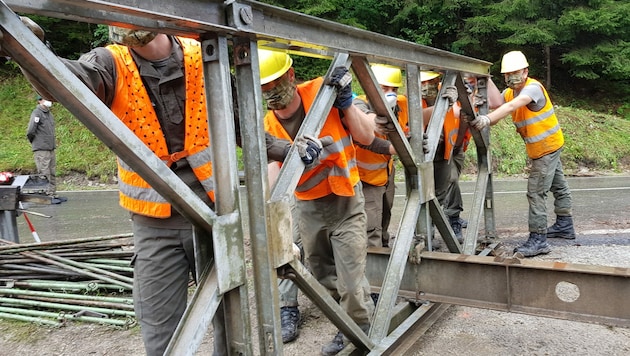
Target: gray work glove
x=479 y=100
x=341 y=79
x=480 y=122
x=384 y=125
x=310 y=147
x=450 y=92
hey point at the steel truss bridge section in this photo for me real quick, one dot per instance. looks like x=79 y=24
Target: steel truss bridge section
x=239 y=28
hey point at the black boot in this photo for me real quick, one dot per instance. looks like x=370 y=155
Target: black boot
x=535 y=245
x=562 y=228
x=335 y=346
x=289 y=320
x=456 y=225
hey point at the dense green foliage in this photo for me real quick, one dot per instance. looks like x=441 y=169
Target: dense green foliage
x=575 y=46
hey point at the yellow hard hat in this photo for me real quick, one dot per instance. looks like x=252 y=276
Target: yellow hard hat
x=273 y=64
x=513 y=61
x=387 y=75
x=428 y=75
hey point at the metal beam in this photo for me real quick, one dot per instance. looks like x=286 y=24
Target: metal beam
x=281 y=27
x=264 y=246
x=552 y=289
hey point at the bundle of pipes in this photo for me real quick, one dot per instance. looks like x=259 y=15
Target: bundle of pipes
x=50 y=283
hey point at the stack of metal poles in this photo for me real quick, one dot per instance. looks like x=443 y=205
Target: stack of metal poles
x=50 y=283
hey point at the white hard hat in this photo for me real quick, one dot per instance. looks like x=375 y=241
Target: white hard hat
x=513 y=61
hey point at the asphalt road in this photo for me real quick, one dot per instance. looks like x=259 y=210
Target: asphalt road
x=601 y=209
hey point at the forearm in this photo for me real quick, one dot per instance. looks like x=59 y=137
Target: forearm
x=495 y=99
x=380 y=146
x=277 y=148
x=361 y=127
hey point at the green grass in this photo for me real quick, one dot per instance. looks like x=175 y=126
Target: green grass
x=594 y=140
x=78 y=151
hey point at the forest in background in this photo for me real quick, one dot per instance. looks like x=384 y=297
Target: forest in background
x=579 y=49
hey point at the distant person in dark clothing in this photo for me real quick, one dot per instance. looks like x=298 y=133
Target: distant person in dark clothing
x=41 y=134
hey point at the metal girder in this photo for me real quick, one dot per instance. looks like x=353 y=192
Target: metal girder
x=322 y=298
x=552 y=289
x=204 y=304
x=395 y=268
x=292 y=167
x=261 y=215
x=376 y=98
x=286 y=29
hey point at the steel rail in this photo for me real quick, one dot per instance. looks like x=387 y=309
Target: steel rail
x=560 y=290
x=279 y=27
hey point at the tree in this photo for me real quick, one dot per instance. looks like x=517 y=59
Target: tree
x=588 y=40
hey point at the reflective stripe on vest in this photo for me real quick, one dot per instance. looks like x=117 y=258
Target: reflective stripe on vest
x=540 y=130
x=337 y=172
x=374 y=168
x=132 y=105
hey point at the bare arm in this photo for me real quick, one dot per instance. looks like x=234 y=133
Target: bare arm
x=507 y=108
x=495 y=99
x=361 y=126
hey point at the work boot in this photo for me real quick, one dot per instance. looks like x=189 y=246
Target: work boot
x=562 y=228
x=289 y=319
x=535 y=245
x=334 y=346
x=457 y=227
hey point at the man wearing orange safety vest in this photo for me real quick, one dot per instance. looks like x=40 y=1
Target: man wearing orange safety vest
x=375 y=162
x=533 y=115
x=155 y=84
x=329 y=198
x=449 y=155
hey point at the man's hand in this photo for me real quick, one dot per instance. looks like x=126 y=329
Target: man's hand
x=310 y=147
x=480 y=122
x=383 y=125
x=34 y=27
x=342 y=80
x=479 y=100
x=450 y=92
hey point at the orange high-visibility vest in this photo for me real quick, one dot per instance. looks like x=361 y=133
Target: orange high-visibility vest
x=132 y=105
x=374 y=168
x=337 y=171
x=451 y=132
x=540 y=130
